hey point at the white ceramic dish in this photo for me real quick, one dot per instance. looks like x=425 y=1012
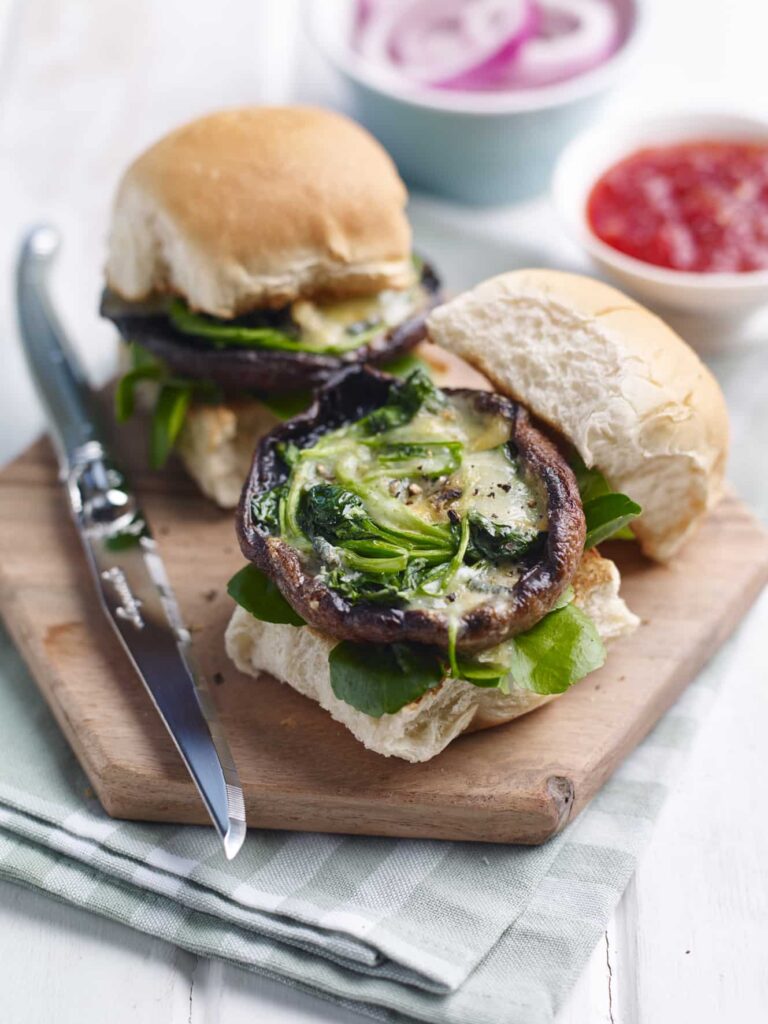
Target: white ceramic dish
x=477 y=147
x=728 y=296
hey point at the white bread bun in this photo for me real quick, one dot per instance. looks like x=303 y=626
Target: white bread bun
x=260 y=206
x=612 y=378
x=419 y=731
x=216 y=445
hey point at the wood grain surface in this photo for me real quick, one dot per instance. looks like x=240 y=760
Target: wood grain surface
x=301 y=770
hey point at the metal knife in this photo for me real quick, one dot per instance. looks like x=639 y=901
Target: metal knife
x=128 y=572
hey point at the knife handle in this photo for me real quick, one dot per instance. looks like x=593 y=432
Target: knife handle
x=55 y=369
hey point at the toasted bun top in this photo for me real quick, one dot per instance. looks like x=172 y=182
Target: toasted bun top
x=259 y=206
x=630 y=395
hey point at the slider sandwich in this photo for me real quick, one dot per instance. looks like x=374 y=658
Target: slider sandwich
x=423 y=561
x=253 y=254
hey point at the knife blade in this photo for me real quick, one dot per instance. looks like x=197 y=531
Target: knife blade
x=127 y=570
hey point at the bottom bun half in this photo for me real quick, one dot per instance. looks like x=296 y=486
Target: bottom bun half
x=298 y=656
x=216 y=445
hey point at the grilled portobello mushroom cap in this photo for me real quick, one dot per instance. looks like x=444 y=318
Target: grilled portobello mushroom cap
x=237 y=368
x=543 y=572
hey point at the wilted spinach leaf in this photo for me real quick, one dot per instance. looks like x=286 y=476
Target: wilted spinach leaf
x=607 y=516
x=497 y=542
x=255 y=592
x=406 y=397
x=380 y=679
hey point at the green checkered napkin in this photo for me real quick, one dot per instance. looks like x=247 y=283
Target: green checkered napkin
x=398 y=929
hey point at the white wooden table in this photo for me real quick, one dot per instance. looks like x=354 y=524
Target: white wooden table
x=85 y=84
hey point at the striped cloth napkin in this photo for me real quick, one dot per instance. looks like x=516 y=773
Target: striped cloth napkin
x=400 y=930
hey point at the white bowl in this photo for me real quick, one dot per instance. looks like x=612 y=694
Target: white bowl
x=477 y=147
x=591 y=154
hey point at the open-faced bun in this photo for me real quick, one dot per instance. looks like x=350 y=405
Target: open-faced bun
x=612 y=378
x=258 y=206
x=419 y=731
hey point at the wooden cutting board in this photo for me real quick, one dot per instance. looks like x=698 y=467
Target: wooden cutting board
x=301 y=770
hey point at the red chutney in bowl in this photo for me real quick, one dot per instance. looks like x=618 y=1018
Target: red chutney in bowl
x=700 y=207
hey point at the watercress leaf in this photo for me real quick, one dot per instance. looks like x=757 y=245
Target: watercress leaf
x=606 y=515
x=555 y=653
x=485 y=674
x=380 y=679
x=602 y=505
x=591 y=482
x=625 y=533
x=255 y=592
x=125 y=392
x=402 y=366
x=141 y=357
x=167 y=421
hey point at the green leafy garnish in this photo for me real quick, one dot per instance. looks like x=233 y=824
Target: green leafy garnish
x=167 y=421
x=174 y=396
x=497 y=542
x=405 y=399
x=255 y=592
x=557 y=652
x=431 y=460
x=125 y=392
x=607 y=512
x=608 y=516
x=402 y=366
x=372 y=560
x=223 y=333
x=380 y=679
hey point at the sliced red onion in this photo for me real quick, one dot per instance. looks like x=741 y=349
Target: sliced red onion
x=373 y=29
x=489 y=70
x=574 y=36
x=441 y=42
x=486 y=44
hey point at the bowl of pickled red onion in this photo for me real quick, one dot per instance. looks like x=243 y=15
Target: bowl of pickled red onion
x=475 y=98
x=674 y=208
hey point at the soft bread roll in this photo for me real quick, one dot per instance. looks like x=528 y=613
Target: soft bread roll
x=419 y=731
x=609 y=376
x=216 y=445
x=260 y=206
